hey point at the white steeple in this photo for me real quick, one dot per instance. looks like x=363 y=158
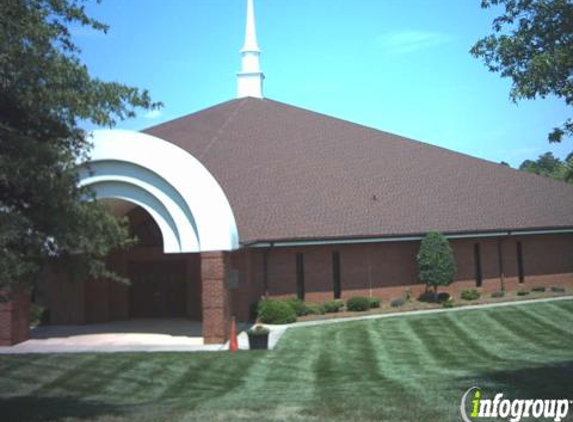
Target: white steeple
x=250 y=78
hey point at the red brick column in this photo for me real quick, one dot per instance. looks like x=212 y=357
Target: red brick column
x=215 y=297
x=15 y=319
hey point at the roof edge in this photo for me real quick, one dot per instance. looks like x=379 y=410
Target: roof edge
x=403 y=238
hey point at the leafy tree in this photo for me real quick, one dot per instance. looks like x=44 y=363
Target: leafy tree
x=532 y=45
x=45 y=92
x=568 y=168
x=503 y=163
x=550 y=166
x=436 y=263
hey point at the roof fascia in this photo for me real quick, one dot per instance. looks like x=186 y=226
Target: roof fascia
x=349 y=241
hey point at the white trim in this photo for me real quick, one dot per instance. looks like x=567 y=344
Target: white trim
x=294 y=243
x=528 y=232
x=190 y=207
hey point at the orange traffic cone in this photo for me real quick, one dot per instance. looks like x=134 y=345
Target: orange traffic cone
x=233 y=341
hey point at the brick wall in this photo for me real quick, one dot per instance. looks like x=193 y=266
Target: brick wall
x=215 y=297
x=386 y=270
x=15 y=318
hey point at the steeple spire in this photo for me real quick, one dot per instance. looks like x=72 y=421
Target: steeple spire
x=251 y=44
x=250 y=78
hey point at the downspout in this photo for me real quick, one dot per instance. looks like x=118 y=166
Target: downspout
x=500 y=257
x=266 y=270
x=369 y=273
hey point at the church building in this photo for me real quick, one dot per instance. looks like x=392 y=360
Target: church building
x=253 y=198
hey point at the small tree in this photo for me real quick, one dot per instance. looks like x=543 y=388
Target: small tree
x=436 y=261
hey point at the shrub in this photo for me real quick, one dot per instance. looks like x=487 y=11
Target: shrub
x=254 y=311
x=358 y=304
x=538 y=289
x=443 y=297
x=407 y=293
x=39 y=314
x=275 y=312
x=315 y=309
x=428 y=296
x=332 y=306
x=396 y=303
x=470 y=294
x=558 y=289
x=448 y=303
x=297 y=305
x=522 y=292
x=374 y=302
x=436 y=261
x=498 y=294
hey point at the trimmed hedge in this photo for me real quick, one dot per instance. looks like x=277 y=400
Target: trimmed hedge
x=315 y=309
x=522 y=292
x=448 y=303
x=298 y=306
x=498 y=294
x=427 y=296
x=558 y=289
x=470 y=294
x=275 y=312
x=358 y=304
x=538 y=289
x=374 y=302
x=443 y=297
x=396 y=303
x=333 y=306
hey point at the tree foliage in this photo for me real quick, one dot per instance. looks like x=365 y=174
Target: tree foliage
x=550 y=166
x=436 y=263
x=532 y=45
x=45 y=92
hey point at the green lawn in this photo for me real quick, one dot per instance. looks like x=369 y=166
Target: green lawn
x=409 y=368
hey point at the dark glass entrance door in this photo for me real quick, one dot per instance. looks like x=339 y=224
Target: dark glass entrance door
x=158 y=289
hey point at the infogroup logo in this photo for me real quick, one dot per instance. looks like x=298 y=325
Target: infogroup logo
x=514 y=410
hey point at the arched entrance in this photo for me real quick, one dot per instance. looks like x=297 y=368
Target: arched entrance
x=184 y=222
x=161 y=285
x=182 y=197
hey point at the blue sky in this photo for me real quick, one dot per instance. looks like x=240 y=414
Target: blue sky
x=397 y=65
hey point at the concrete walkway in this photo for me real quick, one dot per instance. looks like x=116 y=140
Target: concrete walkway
x=153 y=335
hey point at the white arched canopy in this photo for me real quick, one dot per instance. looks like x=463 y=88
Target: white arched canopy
x=180 y=194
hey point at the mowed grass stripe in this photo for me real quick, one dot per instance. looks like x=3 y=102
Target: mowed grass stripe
x=276 y=377
x=492 y=336
x=88 y=378
x=473 y=343
x=529 y=344
x=526 y=325
x=30 y=372
x=401 y=378
x=406 y=368
x=546 y=323
x=564 y=305
x=435 y=339
x=560 y=311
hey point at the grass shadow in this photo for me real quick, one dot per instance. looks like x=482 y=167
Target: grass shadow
x=41 y=409
x=540 y=382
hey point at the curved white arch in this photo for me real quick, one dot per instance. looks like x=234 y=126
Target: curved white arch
x=184 y=199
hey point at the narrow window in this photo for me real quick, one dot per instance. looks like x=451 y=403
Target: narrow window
x=520 y=273
x=336 y=274
x=300 y=276
x=477 y=261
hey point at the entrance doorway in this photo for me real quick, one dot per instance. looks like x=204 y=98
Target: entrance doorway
x=158 y=289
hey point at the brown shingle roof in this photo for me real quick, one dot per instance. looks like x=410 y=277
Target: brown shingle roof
x=291 y=173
